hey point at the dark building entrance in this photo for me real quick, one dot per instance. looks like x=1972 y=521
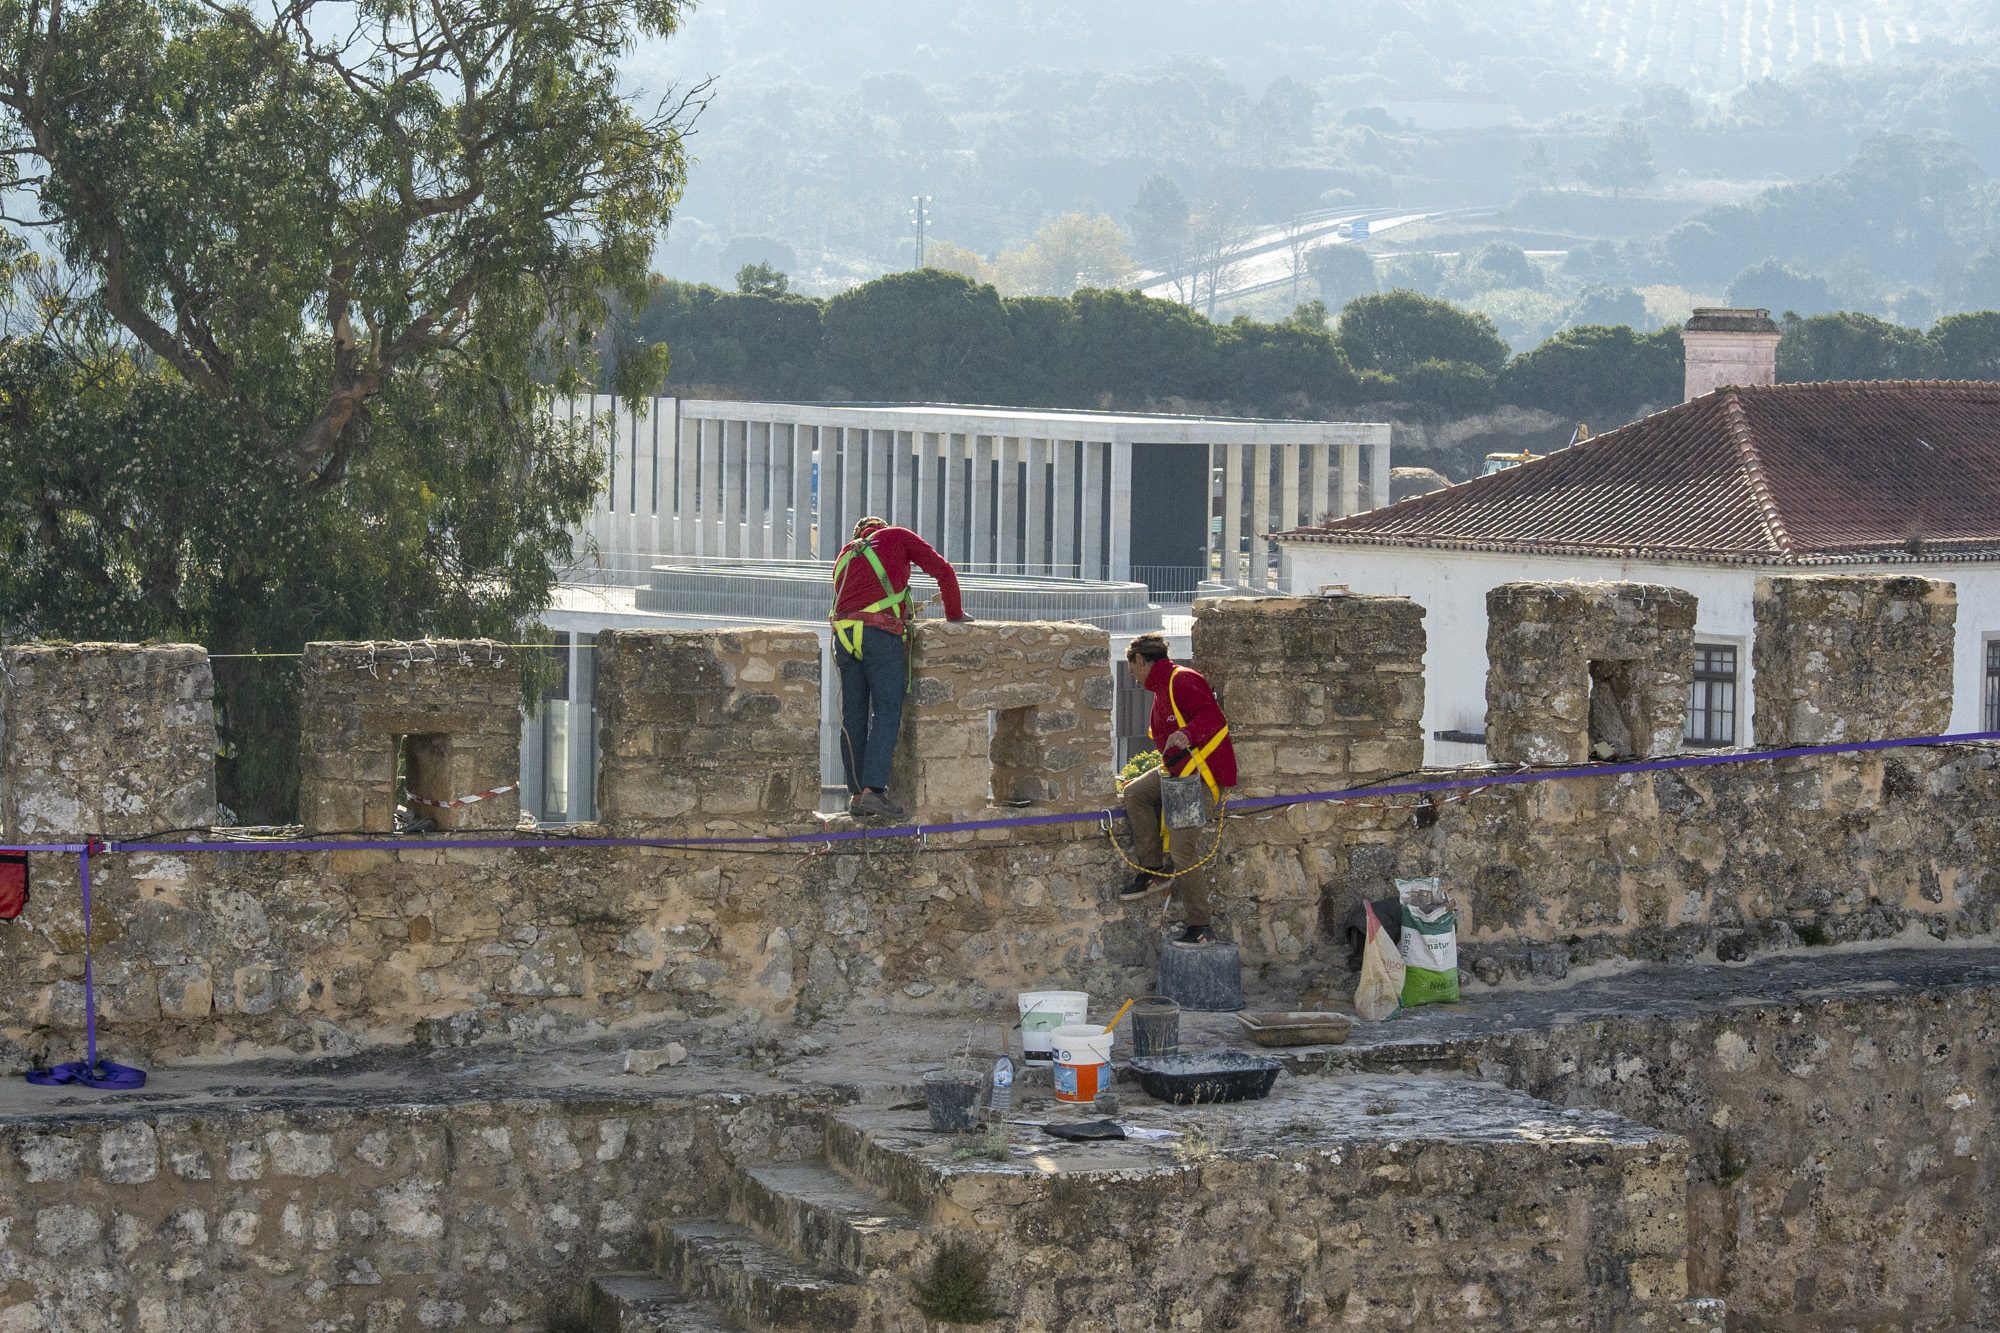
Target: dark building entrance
x=1170 y=506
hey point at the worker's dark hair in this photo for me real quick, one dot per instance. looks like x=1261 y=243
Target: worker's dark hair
x=1152 y=647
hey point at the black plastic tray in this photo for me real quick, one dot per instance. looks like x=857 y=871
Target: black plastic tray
x=1211 y=1076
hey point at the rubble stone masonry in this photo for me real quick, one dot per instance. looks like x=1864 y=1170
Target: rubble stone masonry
x=1852 y=658
x=105 y=739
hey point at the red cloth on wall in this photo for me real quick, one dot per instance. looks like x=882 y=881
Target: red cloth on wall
x=13 y=884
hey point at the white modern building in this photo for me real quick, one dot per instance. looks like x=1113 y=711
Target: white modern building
x=721 y=513
x=1892 y=477
x=1125 y=497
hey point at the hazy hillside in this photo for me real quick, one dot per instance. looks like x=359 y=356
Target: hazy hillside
x=1647 y=153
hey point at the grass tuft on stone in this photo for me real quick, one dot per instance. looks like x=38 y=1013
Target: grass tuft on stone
x=954 y=1290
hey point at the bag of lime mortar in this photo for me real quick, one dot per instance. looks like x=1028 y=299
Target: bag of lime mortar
x=1429 y=943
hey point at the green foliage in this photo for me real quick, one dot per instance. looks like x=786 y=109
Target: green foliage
x=1596 y=373
x=1968 y=346
x=954 y=1289
x=1342 y=272
x=1397 y=331
x=1624 y=161
x=1138 y=345
x=761 y=280
x=327 y=266
x=1850 y=346
x=1781 y=288
x=923 y=334
x=1158 y=219
x=1138 y=766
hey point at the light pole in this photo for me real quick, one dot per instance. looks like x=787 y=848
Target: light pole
x=920 y=216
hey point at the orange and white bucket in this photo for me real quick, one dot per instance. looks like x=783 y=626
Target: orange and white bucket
x=1082 y=1061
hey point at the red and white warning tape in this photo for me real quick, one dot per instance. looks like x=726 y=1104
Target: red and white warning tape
x=457 y=801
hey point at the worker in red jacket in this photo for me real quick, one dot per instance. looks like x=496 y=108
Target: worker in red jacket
x=872 y=612
x=1192 y=736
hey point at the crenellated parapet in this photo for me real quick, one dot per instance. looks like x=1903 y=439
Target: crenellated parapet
x=105 y=739
x=1580 y=671
x=1005 y=713
x=1845 y=657
x=700 y=725
x=442 y=717
x=1320 y=692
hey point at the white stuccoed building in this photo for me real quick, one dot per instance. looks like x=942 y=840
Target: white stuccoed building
x=1740 y=482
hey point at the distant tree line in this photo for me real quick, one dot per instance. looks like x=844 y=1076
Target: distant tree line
x=932 y=335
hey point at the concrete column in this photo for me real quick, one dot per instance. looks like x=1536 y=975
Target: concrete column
x=757 y=492
x=802 y=496
x=981 y=501
x=659 y=464
x=957 y=518
x=1007 y=553
x=1260 y=514
x=853 y=446
x=735 y=442
x=1231 y=571
x=1378 y=474
x=1066 y=491
x=1121 y=509
x=881 y=471
x=1091 y=552
x=1288 y=513
x=1318 y=465
x=1350 y=479
x=903 y=504
x=711 y=488
x=924 y=489
x=687 y=454
x=1035 y=556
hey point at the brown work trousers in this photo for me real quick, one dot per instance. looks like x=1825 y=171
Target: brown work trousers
x=1185 y=846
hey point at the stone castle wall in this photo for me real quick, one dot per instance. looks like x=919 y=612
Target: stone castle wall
x=236 y=950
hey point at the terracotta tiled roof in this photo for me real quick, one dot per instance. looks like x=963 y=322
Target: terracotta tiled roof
x=1825 y=473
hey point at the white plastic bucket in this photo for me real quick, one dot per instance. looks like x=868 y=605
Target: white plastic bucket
x=1042 y=1012
x=1083 y=1061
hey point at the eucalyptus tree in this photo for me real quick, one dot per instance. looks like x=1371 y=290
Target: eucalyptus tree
x=322 y=266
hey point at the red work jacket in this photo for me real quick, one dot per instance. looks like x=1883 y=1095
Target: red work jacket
x=1203 y=714
x=897 y=549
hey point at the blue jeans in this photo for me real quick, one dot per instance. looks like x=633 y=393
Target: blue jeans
x=871 y=706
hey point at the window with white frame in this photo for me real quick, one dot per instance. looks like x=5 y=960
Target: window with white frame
x=1992 y=709
x=1711 y=710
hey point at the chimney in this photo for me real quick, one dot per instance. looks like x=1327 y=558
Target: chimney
x=1724 y=347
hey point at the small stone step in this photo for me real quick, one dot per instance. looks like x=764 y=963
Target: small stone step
x=752 y=1283
x=646 y=1303
x=825 y=1220
x=862 y=1142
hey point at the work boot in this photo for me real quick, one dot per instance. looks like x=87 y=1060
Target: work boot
x=1193 y=937
x=1142 y=885
x=871 y=802
x=854 y=804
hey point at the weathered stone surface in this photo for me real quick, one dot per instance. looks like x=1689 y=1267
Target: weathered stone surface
x=1577 y=671
x=1005 y=714
x=1320 y=692
x=105 y=739
x=1852 y=658
x=368 y=1219
x=452 y=706
x=696 y=725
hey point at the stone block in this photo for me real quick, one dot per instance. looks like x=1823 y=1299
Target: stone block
x=1852 y=658
x=108 y=739
x=1308 y=682
x=1015 y=712
x=700 y=724
x=448 y=710
x=1586 y=670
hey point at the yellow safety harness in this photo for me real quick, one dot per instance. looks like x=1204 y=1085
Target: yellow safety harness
x=1199 y=760
x=848 y=632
